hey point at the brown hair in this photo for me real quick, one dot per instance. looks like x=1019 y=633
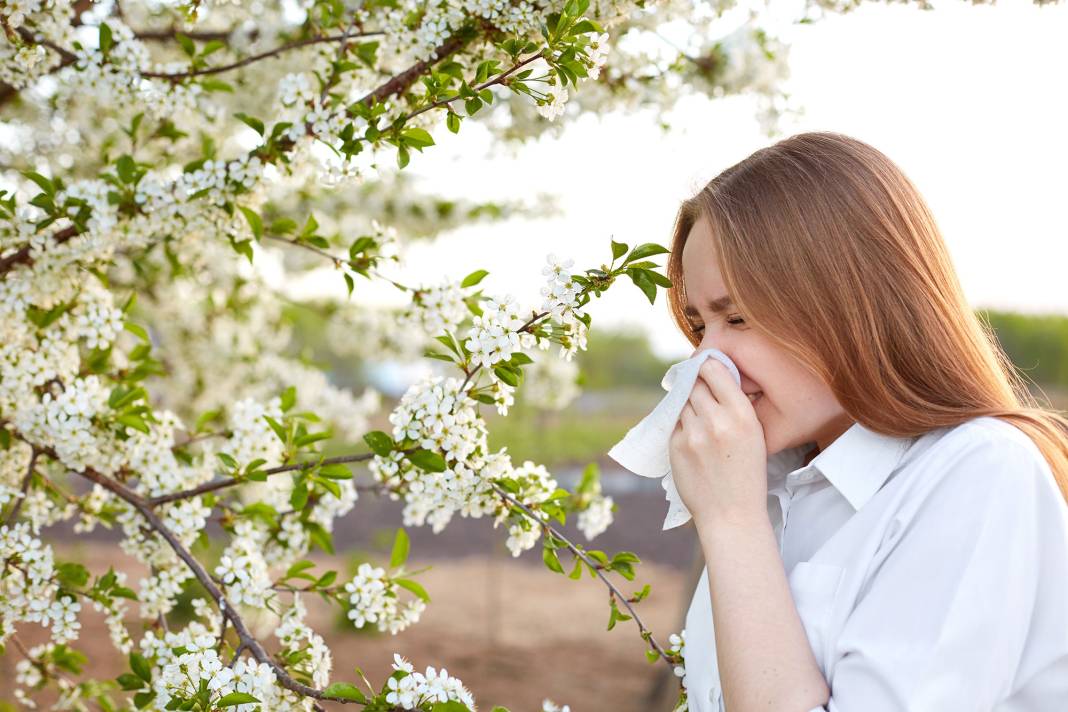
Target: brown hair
x=828 y=249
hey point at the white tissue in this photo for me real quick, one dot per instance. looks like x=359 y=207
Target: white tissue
x=644 y=449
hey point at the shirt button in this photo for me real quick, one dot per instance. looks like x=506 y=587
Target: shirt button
x=713 y=693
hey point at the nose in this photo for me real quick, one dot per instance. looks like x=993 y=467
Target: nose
x=747 y=384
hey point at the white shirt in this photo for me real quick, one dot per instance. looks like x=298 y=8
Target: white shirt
x=930 y=573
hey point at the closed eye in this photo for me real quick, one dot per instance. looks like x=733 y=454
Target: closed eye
x=698 y=328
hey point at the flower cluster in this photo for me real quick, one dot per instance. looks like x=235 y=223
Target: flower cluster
x=495 y=335
x=435 y=309
x=411 y=690
x=678 y=649
x=300 y=641
x=28 y=588
x=597 y=516
x=189 y=658
x=373 y=599
x=244 y=574
x=436 y=415
x=561 y=292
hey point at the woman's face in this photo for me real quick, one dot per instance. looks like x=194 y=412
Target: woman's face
x=794 y=406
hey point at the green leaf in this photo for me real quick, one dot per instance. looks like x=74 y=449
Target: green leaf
x=296 y=569
x=414 y=587
x=336 y=471
x=43 y=183
x=72 y=575
x=576 y=573
x=452 y=121
x=401 y=546
x=289 y=398
x=129 y=681
x=283 y=226
x=381 y=443
x=506 y=375
x=107 y=41
x=143 y=699
x=548 y=555
x=210 y=85
x=645 y=250
x=186 y=43
x=277 y=428
x=227 y=460
x=136 y=330
x=450 y=706
x=618 y=250
x=134 y=421
x=298 y=497
x=252 y=122
x=236 y=698
x=320 y=537
x=311 y=438
x=140 y=666
x=417 y=138
x=520 y=359
x=427 y=460
x=345 y=691
x=642 y=281
x=474 y=278
x=254 y=221
x=126 y=167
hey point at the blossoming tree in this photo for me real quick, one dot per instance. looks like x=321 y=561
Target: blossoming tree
x=168 y=165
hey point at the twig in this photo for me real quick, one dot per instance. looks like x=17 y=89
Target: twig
x=178 y=76
x=26 y=480
x=249 y=641
x=22 y=255
x=645 y=632
x=230 y=482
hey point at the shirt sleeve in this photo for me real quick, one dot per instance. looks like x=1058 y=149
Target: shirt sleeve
x=947 y=612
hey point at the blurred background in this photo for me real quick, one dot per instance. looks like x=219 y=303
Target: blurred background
x=968 y=99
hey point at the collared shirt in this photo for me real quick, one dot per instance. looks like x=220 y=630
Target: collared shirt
x=930 y=573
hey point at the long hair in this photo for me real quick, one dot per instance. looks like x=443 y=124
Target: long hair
x=830 y=251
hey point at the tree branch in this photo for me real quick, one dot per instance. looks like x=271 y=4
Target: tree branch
x=231 y=482
x=144 y=508
x=26 y=480
x=178 y=76
x=22 y=255
x=645 y=632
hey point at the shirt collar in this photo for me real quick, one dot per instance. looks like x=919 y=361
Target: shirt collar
x=857 y=463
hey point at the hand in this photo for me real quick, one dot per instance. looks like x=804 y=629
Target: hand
x=717 y=451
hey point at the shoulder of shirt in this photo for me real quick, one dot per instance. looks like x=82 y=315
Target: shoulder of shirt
x=991 y=441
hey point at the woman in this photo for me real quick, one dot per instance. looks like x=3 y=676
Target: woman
x=881 y=504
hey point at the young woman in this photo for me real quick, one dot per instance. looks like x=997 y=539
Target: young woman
x=881 y=504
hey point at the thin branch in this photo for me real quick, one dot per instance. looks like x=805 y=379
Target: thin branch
x=410 y=76
x=202 y=35
x=22 y=255
x=249 y=641
x=26 y=480
x=645 y=632
x=178 y=76
x=231 y=482
x=338 y=261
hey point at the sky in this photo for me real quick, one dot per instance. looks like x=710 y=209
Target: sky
x=970 y=101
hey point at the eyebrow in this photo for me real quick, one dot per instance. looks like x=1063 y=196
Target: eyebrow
x=714 y=305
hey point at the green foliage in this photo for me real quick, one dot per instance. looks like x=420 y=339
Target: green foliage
x=1037 y=344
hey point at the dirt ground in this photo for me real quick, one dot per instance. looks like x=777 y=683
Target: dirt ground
x=513 y=631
